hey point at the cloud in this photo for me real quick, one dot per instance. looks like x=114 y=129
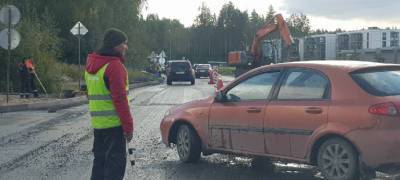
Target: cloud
x=372 y=10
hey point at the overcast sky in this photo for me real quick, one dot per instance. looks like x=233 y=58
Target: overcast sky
x=326 y=14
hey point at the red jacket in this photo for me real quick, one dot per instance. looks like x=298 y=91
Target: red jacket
x=115 y=79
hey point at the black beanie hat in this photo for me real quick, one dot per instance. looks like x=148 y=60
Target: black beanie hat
x=113 y=37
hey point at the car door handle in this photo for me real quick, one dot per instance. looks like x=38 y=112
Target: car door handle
x=313 y=110
x=254 y=110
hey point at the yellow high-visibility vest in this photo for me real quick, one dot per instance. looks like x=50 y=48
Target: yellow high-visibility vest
x=101 y=107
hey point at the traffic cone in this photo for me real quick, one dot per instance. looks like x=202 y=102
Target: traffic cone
x=220 y=84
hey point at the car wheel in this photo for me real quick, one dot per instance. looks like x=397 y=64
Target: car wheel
x=188 y=144
x=338 y=160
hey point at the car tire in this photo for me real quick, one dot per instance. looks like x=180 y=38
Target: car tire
x=188 y=144
x=338 y=160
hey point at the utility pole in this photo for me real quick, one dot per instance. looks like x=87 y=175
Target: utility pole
x=9 y=52
x=170 y=44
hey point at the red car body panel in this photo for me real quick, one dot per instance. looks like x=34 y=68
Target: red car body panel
x=290 y=129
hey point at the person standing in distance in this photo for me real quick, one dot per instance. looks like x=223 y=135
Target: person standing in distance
x=107 y=84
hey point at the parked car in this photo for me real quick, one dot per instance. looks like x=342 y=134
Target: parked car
x=180 y=70
x=202 y=70
x=194 y=66
x=341 y=116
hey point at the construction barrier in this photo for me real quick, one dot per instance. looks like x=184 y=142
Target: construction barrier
x=215 y=78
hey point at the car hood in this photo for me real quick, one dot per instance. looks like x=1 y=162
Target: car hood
x=192 y=105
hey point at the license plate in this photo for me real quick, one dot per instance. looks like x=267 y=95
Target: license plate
x=202 y=71
x=180 y=72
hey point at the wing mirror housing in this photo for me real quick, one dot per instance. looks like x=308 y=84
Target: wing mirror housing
x=219 y=96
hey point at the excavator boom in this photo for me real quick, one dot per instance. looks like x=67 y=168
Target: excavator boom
x=248 y=60
x=267 y=29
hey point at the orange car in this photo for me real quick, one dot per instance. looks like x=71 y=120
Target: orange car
x=342 y=116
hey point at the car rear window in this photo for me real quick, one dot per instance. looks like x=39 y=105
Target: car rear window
x=180 y=66
x=379 y=82
x=203 y=67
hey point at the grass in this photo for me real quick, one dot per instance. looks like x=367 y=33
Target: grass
x=140 y=76
x=226 y=71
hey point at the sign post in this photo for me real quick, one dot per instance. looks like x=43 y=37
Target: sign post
x=79 y=30
x=9 y=38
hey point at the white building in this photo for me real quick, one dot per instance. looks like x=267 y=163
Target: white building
x=371 y=44
x=371 y=38
x=318 y=47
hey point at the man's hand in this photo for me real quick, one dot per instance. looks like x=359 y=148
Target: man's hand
x=128 y=137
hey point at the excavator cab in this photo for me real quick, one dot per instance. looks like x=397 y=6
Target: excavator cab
x=269 y=52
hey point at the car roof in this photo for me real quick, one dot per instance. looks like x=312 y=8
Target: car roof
x=338 y=65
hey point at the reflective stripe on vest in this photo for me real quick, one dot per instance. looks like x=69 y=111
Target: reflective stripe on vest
x=102 y=97
x=101 y=107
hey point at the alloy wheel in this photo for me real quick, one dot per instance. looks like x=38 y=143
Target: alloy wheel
x=336 y=161
x=183 y=142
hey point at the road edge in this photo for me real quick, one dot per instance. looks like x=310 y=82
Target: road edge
x=64 y=103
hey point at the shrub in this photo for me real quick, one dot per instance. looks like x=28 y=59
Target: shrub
x=226 y=71
x=140 y=76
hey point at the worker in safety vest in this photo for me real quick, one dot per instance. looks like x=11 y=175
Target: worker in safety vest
x=108 y=88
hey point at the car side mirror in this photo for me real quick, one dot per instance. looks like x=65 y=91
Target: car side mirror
x=219 y=96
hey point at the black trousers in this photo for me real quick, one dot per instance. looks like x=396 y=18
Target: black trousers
x=109 y=154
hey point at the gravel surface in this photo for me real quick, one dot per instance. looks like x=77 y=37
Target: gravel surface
x=15 y=100
x=41 y=145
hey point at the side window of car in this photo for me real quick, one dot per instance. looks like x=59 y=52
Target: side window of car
x=254 y=88
x=304 y=84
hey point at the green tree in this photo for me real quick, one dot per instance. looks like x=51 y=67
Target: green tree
x=231 y=26
x=203 y=29
x=270 y=17
x=299 y=24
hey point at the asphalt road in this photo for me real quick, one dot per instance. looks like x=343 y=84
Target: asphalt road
x=41 y=145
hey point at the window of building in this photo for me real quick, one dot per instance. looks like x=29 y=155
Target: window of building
x=343 y=42
x=356 y=41
x=394 y=39
x=384 y=39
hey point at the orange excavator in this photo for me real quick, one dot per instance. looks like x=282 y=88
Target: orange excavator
x=262 y=52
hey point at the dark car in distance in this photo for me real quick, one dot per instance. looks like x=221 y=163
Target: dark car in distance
x=180 y=70
x=202 y=70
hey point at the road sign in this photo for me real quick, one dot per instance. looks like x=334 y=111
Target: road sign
x=79 y=29
x=7 y=11
x=161 y=61
x=162 y=54
x=14 y=39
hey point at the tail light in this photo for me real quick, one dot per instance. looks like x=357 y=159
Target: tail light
x=387 y=109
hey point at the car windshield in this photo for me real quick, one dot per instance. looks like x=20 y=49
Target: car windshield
x=180 y=66
x=379 y=82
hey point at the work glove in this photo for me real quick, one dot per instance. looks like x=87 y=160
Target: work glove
x=128 y=137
